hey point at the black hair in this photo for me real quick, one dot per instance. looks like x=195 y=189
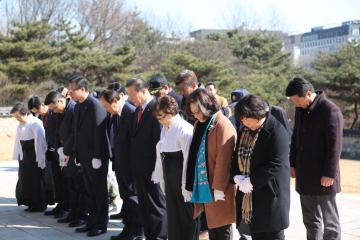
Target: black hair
x=63 y=91
x=34 y=102
x=165 y=104
x=21 y=108
x=138 y=83
x=187 y=76
x=96 y=94
x=251 y=106
x=298 y=86
x=80 y=81
x=53 y=97
x=205 y=98
x=118 y=87
x=209 y=84
x=109 y=95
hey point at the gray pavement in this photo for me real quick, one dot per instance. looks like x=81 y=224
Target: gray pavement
x=17 y=224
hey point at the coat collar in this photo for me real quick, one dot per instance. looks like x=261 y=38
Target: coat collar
x=320 y=96
x=146 y=113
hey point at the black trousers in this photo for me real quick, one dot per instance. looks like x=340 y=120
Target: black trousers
x=181 y=225
x=96 y=187
x=130 y=207
x=318 y=210
x=30 y=189
x=152 y=207
x=60 y=183
x=278 y=235
x=221 y=233
x=77 y=195
x=49 y=185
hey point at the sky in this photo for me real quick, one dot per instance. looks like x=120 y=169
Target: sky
x=288 y=15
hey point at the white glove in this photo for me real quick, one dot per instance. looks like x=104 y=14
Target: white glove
x=245 y=185
x=238 y=179
x=60 y=151
x=41 y=165
x=219 y=195
x=186 y=194
x=76 y=163
x=96 y=163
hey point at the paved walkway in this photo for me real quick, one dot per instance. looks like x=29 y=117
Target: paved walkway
x=16 y=224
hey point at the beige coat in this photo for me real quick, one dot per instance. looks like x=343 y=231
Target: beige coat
x=220 y=146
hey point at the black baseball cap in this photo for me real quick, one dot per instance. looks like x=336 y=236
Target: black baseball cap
x=237 y=95
x=157 y=82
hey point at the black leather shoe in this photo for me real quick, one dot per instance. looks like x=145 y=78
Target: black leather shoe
x=66 y=219
x=51 y=212
x=117 y=216
x=77 y=223
x=37 y=209
x=61 y=214
x=27 y=209
x=133 y=237
x=95 y=232
x=83 y=229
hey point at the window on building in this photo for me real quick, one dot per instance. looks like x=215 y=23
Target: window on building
x=355 y=32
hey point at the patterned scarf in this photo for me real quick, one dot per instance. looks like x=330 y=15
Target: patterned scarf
x=247 y=143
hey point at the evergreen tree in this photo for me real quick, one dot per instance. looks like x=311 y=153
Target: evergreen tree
x=339 y=73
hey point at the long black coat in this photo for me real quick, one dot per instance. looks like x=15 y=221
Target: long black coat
x=144 y=137
x=90 y=139
x=121 y=158
x=270 y=177
x=65 y=128
x=316 y=146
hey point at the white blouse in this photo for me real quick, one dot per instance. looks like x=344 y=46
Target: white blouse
x=176 y=137
x=32 y=129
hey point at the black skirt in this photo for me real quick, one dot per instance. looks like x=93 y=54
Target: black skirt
x=181 y=225
x=30 y=189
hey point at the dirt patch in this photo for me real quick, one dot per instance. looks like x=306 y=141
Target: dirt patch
x=7 y=137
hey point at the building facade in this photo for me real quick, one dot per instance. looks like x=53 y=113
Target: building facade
x=304 y=47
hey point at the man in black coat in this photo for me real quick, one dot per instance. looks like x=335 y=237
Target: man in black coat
x=75 y=190
x=314 y=156
x=269 y=173
x=92 y=152
x=145 y=133
x=118 y=131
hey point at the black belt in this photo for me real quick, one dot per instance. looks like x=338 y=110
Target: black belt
x=177 y=154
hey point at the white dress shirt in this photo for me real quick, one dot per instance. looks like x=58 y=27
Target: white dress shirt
x=32 y=129
x=144 y=105
x=176 y=137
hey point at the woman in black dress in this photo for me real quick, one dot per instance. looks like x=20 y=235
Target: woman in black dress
x=29 y=149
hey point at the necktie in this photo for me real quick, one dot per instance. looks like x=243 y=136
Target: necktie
x=139 y=114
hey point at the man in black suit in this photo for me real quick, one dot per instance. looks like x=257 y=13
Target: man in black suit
x=75 y=190
x=92 y=152
x=118 y=131
x=145 y=133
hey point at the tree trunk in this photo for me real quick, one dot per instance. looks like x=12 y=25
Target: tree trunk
x=356 y=115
